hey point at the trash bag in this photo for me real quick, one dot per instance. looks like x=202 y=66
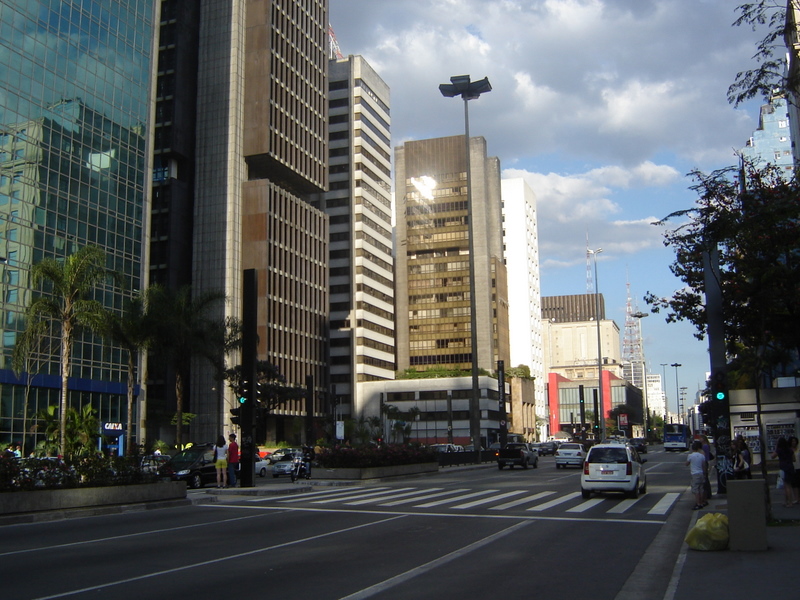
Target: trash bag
x=709 y=533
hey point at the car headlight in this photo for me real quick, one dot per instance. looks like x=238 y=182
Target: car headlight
x=184 y=472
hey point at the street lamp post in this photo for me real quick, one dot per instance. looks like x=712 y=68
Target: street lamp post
x=640 y=316
x=460 y=85
x=664 y=389
x=601 y=410
x=677 y=389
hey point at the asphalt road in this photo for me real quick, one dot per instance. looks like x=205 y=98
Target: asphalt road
x=461 y=534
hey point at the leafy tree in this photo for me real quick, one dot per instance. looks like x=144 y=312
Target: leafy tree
x=520 y=371
x=756 y=229
x=183 y=330
x=80 y=433
x=770 y=76
x=131 y=330
x=68 y=284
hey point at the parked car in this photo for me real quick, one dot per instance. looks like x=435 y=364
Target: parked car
x=613 y=467
x=546 y=448
x=151 y=463
x=570 y=453
x=284 y=465
x=639 y=444
x=281 y=452
x=444 y=447
x=262 y=466
x=194 y=465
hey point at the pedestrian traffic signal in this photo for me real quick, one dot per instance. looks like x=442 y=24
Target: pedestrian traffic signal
x=236 y=414
x=719 y=387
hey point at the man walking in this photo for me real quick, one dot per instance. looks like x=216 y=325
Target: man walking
x=233 y=459
x=698 y=467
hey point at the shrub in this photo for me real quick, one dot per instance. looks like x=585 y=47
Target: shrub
x=375 y=456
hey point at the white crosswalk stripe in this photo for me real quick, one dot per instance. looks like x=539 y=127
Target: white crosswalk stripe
x=494 y=500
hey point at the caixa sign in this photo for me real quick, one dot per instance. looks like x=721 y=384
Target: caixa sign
x=115 y=429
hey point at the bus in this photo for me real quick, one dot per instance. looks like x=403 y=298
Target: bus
x=677 y=436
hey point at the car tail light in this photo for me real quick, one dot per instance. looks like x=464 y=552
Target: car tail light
x=586 y=467
x=629 y=469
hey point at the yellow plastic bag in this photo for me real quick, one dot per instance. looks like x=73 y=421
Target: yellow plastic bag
x=709 y=533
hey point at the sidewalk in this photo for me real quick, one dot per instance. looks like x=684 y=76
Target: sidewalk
x=738 y=575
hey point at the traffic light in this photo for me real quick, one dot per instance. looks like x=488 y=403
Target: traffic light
x=236 y=414
x=719 y=387
x=244 y=390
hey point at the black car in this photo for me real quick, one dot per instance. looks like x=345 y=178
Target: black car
x=638 y=444
x=195 y=466
x=546 y=448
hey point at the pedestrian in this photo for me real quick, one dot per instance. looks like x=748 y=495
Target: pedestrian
x=233 y=459
x=698 y=468
x=783 y=453
x=741 y=468
x=795 y=447
x=221 y=462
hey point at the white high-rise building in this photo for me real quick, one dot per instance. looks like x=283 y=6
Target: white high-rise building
x=521 y=254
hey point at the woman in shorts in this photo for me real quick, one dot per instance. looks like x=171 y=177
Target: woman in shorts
x=221 y=462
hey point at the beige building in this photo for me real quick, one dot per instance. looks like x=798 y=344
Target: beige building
x=432 y=241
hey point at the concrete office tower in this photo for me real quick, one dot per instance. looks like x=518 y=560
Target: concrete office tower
x=74 y=115
x=259 y=156
x=432 y=274
x=521 y=251
x=359 y=206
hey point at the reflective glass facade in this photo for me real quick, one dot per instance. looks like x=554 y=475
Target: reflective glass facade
x=74 y=109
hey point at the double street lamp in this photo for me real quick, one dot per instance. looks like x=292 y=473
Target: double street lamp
x=460 y=85
x=677 y=390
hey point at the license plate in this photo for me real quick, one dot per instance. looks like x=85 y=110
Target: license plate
x=605 y=472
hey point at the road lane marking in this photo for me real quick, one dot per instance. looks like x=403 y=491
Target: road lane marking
x=487 y=500
x=392 y=496
x=327 y=493
x=525 y=500
x=434 y=564
x=624 y=505
x=362 y=495
x=584 y=506
x=446 y=500
x=556 y=502
x=427 y=497
x=663 y=505
x=215 y=561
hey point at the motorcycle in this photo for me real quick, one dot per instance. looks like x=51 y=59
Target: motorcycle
x=300 y=468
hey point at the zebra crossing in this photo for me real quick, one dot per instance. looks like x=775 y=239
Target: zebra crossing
x=464 y=499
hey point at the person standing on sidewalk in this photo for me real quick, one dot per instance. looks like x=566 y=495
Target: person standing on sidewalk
x=785 y=456
x=233 y=459
x=221 y=462
x=698 y=468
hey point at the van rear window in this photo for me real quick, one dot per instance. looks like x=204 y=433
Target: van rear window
x=608 y=455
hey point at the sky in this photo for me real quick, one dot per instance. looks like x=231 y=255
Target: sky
x=602 y=106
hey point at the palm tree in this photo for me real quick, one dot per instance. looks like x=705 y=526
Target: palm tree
x=131 y=331
x=69 y=282
x=182 y=330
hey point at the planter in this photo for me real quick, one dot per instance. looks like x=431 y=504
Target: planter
x=46 y=500
x=375 y=472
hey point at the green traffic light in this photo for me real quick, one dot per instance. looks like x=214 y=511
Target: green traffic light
x=242 y=399
x=720 y=395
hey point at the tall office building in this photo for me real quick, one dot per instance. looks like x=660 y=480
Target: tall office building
x=772 y=141
x=242 y=106
x=360 y=210
x=432 y=274
x=521 y=251
x=74 y=114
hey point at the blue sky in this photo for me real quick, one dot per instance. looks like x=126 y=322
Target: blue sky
x=603 y=106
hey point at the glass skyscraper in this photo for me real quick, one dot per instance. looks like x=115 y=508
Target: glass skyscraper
x=74 y=109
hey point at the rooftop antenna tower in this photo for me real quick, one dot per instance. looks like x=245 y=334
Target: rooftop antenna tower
x=334 y=50
x=632 y=353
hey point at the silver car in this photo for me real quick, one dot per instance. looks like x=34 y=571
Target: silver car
x=285 y=465
x=570 y=453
